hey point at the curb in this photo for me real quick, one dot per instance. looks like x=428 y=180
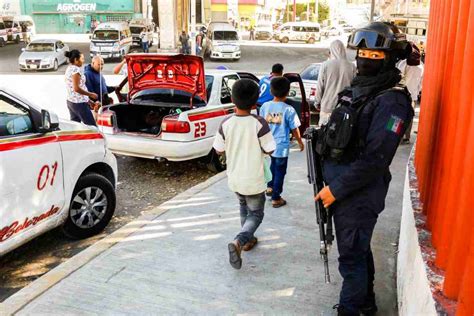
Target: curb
x=17 y=301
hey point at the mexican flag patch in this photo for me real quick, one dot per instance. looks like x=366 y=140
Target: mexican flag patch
x=395 y=124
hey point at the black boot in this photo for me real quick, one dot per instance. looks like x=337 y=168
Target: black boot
x=341 y=311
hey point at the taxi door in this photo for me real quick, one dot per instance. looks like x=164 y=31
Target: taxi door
x=31 y=175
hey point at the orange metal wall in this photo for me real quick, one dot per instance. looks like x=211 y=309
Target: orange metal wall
x=445 y=147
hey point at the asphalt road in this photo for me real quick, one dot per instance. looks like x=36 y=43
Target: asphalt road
x=143 y=184
x=256 y=57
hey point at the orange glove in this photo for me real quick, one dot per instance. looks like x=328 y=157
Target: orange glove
x=326 y=196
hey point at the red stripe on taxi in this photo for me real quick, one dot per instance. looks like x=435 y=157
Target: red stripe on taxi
x=47 y=139
x=208 y=115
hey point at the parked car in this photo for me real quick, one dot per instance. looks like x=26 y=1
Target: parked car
x=332 y=31
x=45 y=54
x=52 y=173
x=111 y=40
x=264 y=32
x=174 y=108
x=3 y=33
x=347 y=28
x=308 y=32
x=13 y=29
x=309 y=75
x=222 y=42
x=136 y=27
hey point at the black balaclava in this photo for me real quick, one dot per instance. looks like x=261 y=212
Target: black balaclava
x=369 y=67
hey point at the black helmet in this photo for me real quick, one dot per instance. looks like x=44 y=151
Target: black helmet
x=378 y=35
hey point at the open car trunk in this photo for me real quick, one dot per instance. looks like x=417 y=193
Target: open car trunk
x=143 y=119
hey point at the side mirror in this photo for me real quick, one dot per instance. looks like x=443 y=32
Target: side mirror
x=49 y=122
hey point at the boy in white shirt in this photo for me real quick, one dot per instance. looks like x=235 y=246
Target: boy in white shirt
x=245 y=138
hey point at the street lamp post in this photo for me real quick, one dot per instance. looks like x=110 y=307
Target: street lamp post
x=193 y=27
x=372 y=10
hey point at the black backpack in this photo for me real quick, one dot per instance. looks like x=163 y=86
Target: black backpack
x=337 y=137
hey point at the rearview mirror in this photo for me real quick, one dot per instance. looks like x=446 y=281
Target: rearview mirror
x=49 y=122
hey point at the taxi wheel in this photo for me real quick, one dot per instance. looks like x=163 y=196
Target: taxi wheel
x=17 y=40
x=285 y=40
x=92 y=206
x=311 y=41
x=215 y=162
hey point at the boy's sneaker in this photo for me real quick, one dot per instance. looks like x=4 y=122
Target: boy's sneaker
x=278 y=203
x=235 y=259
x=248 y=246
x=269 y=192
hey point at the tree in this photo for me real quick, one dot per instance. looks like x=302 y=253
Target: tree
x=323 y=12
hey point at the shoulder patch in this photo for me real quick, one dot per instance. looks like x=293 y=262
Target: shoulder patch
x=395 y=125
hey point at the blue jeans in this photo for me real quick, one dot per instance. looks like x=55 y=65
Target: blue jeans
x=278 y=168
x=145 y=47
x=356 y=265
x=251 y=215
x=80 y=112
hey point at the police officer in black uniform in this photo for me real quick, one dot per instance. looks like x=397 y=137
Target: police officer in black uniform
x=358 y=176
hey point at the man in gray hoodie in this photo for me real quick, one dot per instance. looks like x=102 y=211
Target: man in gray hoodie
x=335 y=74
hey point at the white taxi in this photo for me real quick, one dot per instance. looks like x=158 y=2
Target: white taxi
x=52 y=174
x=173 y=109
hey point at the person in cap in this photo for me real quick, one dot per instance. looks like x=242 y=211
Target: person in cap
x=356 y=158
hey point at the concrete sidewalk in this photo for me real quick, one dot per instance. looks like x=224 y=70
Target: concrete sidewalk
x=175 y=261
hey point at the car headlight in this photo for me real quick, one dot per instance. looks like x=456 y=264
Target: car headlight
x=217 y=49
x=236 y=48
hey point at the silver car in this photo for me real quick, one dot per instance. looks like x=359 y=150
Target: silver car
x=42 y=55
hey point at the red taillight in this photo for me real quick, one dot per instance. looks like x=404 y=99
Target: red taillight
x=106 y=119
x=172 y=125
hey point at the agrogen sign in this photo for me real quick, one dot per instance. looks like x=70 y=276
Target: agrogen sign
x=75 y=7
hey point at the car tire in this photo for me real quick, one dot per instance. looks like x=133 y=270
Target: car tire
x=2 y=42
x=215 y=162
x=311 y=40
x=55 y=65
x=96 y=186
x=285 y=40
x=17 y=40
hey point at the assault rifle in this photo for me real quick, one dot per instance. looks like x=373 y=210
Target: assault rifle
x=323 y=215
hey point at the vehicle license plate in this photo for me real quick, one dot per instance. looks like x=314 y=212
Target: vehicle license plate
x=33 y=66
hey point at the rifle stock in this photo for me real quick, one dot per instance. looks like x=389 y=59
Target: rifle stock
x=323 y=215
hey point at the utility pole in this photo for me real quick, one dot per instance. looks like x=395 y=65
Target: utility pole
x=307 y=10
x=316 y=10
x=294 y=10
x=372 y=11
x=193 y=27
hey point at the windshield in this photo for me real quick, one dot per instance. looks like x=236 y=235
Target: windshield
x=106 y=35
x=225 y=36
x=311 y=72
x=40 y=47
x=136 y=29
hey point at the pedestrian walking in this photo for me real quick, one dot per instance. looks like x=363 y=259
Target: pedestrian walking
x=95 y=81
x=184 y=40
x=24 y=33
x=335 y=75
x=357 y=172
x=264 y=84
x=78 y=97
x=412 y=77
x=252 y=33
x=282 y=119
x=245 y=138
x=199 y=43
x=144 y=40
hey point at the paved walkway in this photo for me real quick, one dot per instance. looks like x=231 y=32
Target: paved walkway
x=175 y=261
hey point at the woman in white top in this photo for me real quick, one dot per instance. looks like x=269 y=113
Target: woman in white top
x=78 y=98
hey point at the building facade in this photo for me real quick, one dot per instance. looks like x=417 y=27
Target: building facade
x=76 y=16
